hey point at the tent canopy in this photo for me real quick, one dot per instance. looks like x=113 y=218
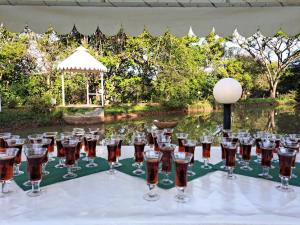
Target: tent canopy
x=81 y=61
x=157 y=16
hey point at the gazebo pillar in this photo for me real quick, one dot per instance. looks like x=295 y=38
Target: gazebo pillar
x=102 y=90
x=87 y=93
x=63 y=89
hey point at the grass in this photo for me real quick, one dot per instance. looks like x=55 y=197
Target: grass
x=269 y=101
x=130 y=108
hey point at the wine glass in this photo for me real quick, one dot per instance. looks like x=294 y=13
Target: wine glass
x=3 y=137
x=168 y=132
x=189 y=146
x=292 y=145
x=139 y=143
x=119 y=138
x=246 y=144
x=44 y=143
x=35 y=138
x=51 y=136
x=91 y=142
x=230 y=158
x=35 y=155
x=7 y=159
x=286 y=158
x=267 y=148
x=206 y=142
x=182 y=160
x=152 y=159
x=224 y=140
x=70 y=151
x=60 y=149
x=258 y=138
x=181 y=137
x=156 y=134
x=167 y=149
x=112 y=145
x=150 y=139
x=16 y=143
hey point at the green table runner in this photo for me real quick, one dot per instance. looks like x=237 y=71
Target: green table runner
x=56 y=175
x=257 y=169
x=127 y=168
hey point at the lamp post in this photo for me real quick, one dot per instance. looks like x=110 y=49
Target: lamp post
x=227 y=91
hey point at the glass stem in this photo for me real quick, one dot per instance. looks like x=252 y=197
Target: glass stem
x=246 y=163
x=35 y=186
x=180 y=191
x=117 y=159
x=284 y=182
x=151 y=190
x=206 y=162
x=266 y=171
x=43 y=167
x=70 y=170
x=111 y=167
x=230 y=171
x=61 y=161
x=91 y=160
x=16 y=169
x=3 y=186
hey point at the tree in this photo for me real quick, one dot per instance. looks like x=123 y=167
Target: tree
x=274 y=53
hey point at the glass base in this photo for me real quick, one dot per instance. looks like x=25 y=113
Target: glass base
x=135 y=164
x=191 y=173
x=284 y=189
x=76 y=168
x=85 y=159
x=111 y=172
x=51 y=159
x=151 y=197
x=27 y=183
x=18 y=173
x=117 y=164
x=181 y=198
x=258 y=160
x=294 y=176
x=91 y=165
x=246 y=168
x=223 y=167
x=46 y=173
x=266 y=176
x=231 y=177
x=59 y=166
x=138 y=172
x=34 y=193
x=166 y=181
x=69 y=175
x=206 y=167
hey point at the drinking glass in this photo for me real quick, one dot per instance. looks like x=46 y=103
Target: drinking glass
x=267 y=149
x=119 y=138
x=150 y=139
x=60 y=149
x=182 y=160
x=112 y=145
x=258 y=139
x=35 y=155
x=70 y=151
x=162 y=139
x=224 y=140
x=3 y=137
x=155 y=135
x=189 y=146
x=77 y=152
x=44 y=143
x=152 y=159
x=168 y=132
x=35 y=138
x=7 y=159
x=293 y=145
x=285 y=168
x=92 y=146
x=139 y=143
x=51 y=136
x=246 y=144
x=230 y=158
x=181 y=137
x=85 y=146
x=167 y=150
x=206 y=142
x=227 y=133
x=16 y=143
x=137 y=135
x=79 y=133
x=94 y=131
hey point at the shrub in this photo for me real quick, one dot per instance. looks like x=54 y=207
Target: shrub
x=40 y=104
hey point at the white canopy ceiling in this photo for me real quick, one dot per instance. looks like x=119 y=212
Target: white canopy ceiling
x=81 y=61
x=156 y=15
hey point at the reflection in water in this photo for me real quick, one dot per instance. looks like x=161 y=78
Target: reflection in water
x=277 y=120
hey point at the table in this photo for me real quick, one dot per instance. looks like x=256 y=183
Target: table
x=104 y=199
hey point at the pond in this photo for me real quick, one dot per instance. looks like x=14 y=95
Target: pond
x=277 y=120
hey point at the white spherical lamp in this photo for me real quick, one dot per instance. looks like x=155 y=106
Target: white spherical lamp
x=227 y=91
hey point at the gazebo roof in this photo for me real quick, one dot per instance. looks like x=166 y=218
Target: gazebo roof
x=81 y=61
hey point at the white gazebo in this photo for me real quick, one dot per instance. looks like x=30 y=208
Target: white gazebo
x=83 y=62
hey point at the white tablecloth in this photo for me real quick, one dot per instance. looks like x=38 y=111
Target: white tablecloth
x=104 y=199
